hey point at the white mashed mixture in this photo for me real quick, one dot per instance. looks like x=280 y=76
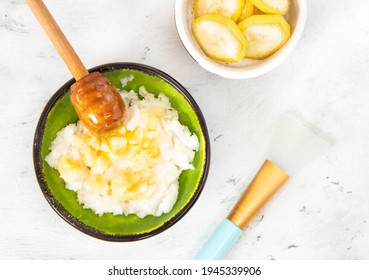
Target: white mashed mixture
x=134 y=169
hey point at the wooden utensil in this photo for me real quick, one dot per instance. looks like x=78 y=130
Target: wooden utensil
x=98 y=104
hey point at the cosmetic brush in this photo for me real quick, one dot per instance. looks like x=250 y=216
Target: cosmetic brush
x=292 y=147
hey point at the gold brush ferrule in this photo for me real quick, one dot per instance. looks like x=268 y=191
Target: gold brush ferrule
x=265 y=183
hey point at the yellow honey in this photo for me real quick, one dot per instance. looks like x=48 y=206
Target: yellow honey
x=132 y=169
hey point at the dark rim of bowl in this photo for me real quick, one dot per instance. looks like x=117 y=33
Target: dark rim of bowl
x=61 y=211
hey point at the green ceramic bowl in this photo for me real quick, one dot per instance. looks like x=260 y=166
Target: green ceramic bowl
x=59 y=112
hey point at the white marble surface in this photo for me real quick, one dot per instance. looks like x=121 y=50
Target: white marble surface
x=321 y=213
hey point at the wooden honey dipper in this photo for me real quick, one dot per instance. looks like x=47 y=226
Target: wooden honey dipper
x=98 y=104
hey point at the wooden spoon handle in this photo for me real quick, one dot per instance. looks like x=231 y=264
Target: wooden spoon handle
x=57 y=37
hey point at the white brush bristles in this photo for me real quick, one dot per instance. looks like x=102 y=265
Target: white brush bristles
x=294 y=145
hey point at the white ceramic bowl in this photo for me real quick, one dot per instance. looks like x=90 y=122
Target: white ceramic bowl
x=247 y=68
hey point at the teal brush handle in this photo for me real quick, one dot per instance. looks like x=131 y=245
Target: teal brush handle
x=220 y=242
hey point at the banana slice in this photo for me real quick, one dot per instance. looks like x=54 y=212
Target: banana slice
x=219 y=38
x=228 y=8
x=257 y=11
x=272 y=6
x=247 y=11
x=265 y=34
